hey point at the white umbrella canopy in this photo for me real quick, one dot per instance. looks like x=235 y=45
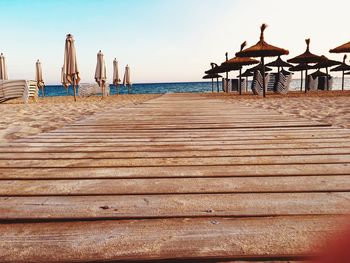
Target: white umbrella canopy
x=39 y=77
x=64 y=80
x=126 y=80
x=116 y=79
x=70 y=63
x=100 y=72
x=3 y=68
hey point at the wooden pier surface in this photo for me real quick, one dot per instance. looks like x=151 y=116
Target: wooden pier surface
x=180 y=177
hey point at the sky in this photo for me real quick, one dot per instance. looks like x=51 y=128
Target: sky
x=161 y=40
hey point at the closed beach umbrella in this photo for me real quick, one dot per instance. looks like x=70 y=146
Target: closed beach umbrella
x=100 y=72
x=126 y=79
x=262 y=50
x=343 y=67
x=345 y=48
x=306 y=58
x=39 y=77
x=64 y=80
x=116 y=79
x=70 y=64
x=326 y=63
x=240 y=62
x=3 y=68
x=279 y=63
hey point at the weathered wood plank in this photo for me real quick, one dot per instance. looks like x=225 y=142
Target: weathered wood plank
x=166 y=239
x=178 y=186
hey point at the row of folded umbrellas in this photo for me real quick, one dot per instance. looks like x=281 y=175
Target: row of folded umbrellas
x=262 y=49
x=70 y=74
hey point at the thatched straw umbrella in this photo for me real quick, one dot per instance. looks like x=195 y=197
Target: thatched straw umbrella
x=345 y=48
x=343 y=67
x=100 y=72
x=306 y=58
x=259 y=67
x=39 y=77
x=240 y=62
x=262 y=50
x=116 y=79
x=212 y=77
x=3 y=68
x=326 y=63
x=70 y=64
x=212 y=71
x=64 y=80
x=279 y=63
x=319 y=73
x=127 y=78
x=301 y=68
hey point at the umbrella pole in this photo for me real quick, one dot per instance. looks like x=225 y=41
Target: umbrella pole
x=226 y=81
x=240 y=81
x=75 y=96
x=342 y=81
x=327 y=78
x=212 y=85
x=217 y=85
x=263 y=75
x=246 y=84
x=306 y=81
x=301 y=84
x=102 y=89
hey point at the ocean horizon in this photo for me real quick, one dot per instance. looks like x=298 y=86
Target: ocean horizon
x=172 y=87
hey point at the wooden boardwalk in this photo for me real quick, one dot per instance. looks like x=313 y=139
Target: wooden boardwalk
x=178 y=177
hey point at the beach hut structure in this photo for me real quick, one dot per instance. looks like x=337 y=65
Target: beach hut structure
x=343 y=67
x=262 y=49
x=326 y=63
x=127 y=78
x=306 y=58
x=70 y=66
x=240 y=62
x=39 y=77
x=212 y=77
x=3 y=68
x=100 y=72
x=116 y=79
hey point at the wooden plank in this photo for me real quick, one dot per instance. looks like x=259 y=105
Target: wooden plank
x=168 y=154
x=166 y=239
x=177 y=171
x=179 y=186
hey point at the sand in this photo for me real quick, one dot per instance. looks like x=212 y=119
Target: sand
x=326 y=106
x=20 y=120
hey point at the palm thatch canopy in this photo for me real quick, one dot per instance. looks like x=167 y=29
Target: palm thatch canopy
x=247 y=73
x=262 y=49
x=347 y=73
x=343 y=66
x=241 y=61
x=259 y=67
x=301 y=67
x=319 y=73
x=279 y=63
x=326 y=63
x=345 y=48
x=306 y=57
x=212 y=76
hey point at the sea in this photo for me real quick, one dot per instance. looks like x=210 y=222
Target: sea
x=178 y=87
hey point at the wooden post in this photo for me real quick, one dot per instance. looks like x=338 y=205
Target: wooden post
x=212 y=85
x=74 y=91
x=301 y=84
x=217 y=85
x=240 y=81
x=306 y=81
x=263 y=75
x=327 y=78
x=102 y=89
x=342 y=82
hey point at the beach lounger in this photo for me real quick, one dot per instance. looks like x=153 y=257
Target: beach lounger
x=88 y=89
x=257 y=84
x=13 y=89
x=313 y=83
x=283 y=82
x=273 y=80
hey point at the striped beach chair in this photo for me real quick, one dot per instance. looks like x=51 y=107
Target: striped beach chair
x=283 y=82
x=257 y=84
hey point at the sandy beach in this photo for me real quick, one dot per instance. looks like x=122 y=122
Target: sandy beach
x=327 y=106
x=20 y=120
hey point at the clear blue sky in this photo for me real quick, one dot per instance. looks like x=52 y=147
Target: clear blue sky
x=162 y=40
